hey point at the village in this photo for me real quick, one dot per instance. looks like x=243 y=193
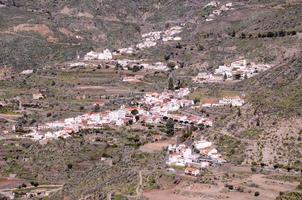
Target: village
x=153 y=108
x=150 y=39
x=112 y=57
x=194 y=158
x=235 y=71
x=219 y=8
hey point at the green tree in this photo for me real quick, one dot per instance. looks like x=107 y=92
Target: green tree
x=233 y=34
x=134 y=112
x=170 y=83
x=225 y=77
x=186 y=134
x=170 y=127
x=239 y=112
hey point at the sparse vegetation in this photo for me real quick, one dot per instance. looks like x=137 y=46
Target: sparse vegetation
x=232 y=148
x=105 y=160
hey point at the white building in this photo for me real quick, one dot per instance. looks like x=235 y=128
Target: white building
x=205 y=77
x=234 y=101
x=27 y=72
x=92 y=55
x=156 y=66
x=146 y=44
x=38 y=96
x=224 y=70
x=202 y=144
x=117 y=115
x=128 y=50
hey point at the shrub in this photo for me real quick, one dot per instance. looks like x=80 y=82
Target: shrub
x=233 y=34
x=171 y=65
x=270 y=34
x=35 y=184
x=136 y=68
x=167 y=57
x=253 y=168
x=69 y=166
x=240 y=189
x=281 y=33
x=178 y=46
x=200 y=47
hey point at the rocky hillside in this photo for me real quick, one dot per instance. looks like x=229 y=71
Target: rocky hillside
x=34 y=33
x=267 y=129
x=41 y=31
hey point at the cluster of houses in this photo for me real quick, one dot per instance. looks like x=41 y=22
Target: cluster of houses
x=169 y=35
x=152 y=108
x=238 y=70
x=204 y=77
x=125 y=64
x=159 y=66
x=130 y=64
x=167 y=103
x=219 y=9
x=193 y=158
x=105 y=55
x=149 y=40
x=190 y=119
x=227 y=100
